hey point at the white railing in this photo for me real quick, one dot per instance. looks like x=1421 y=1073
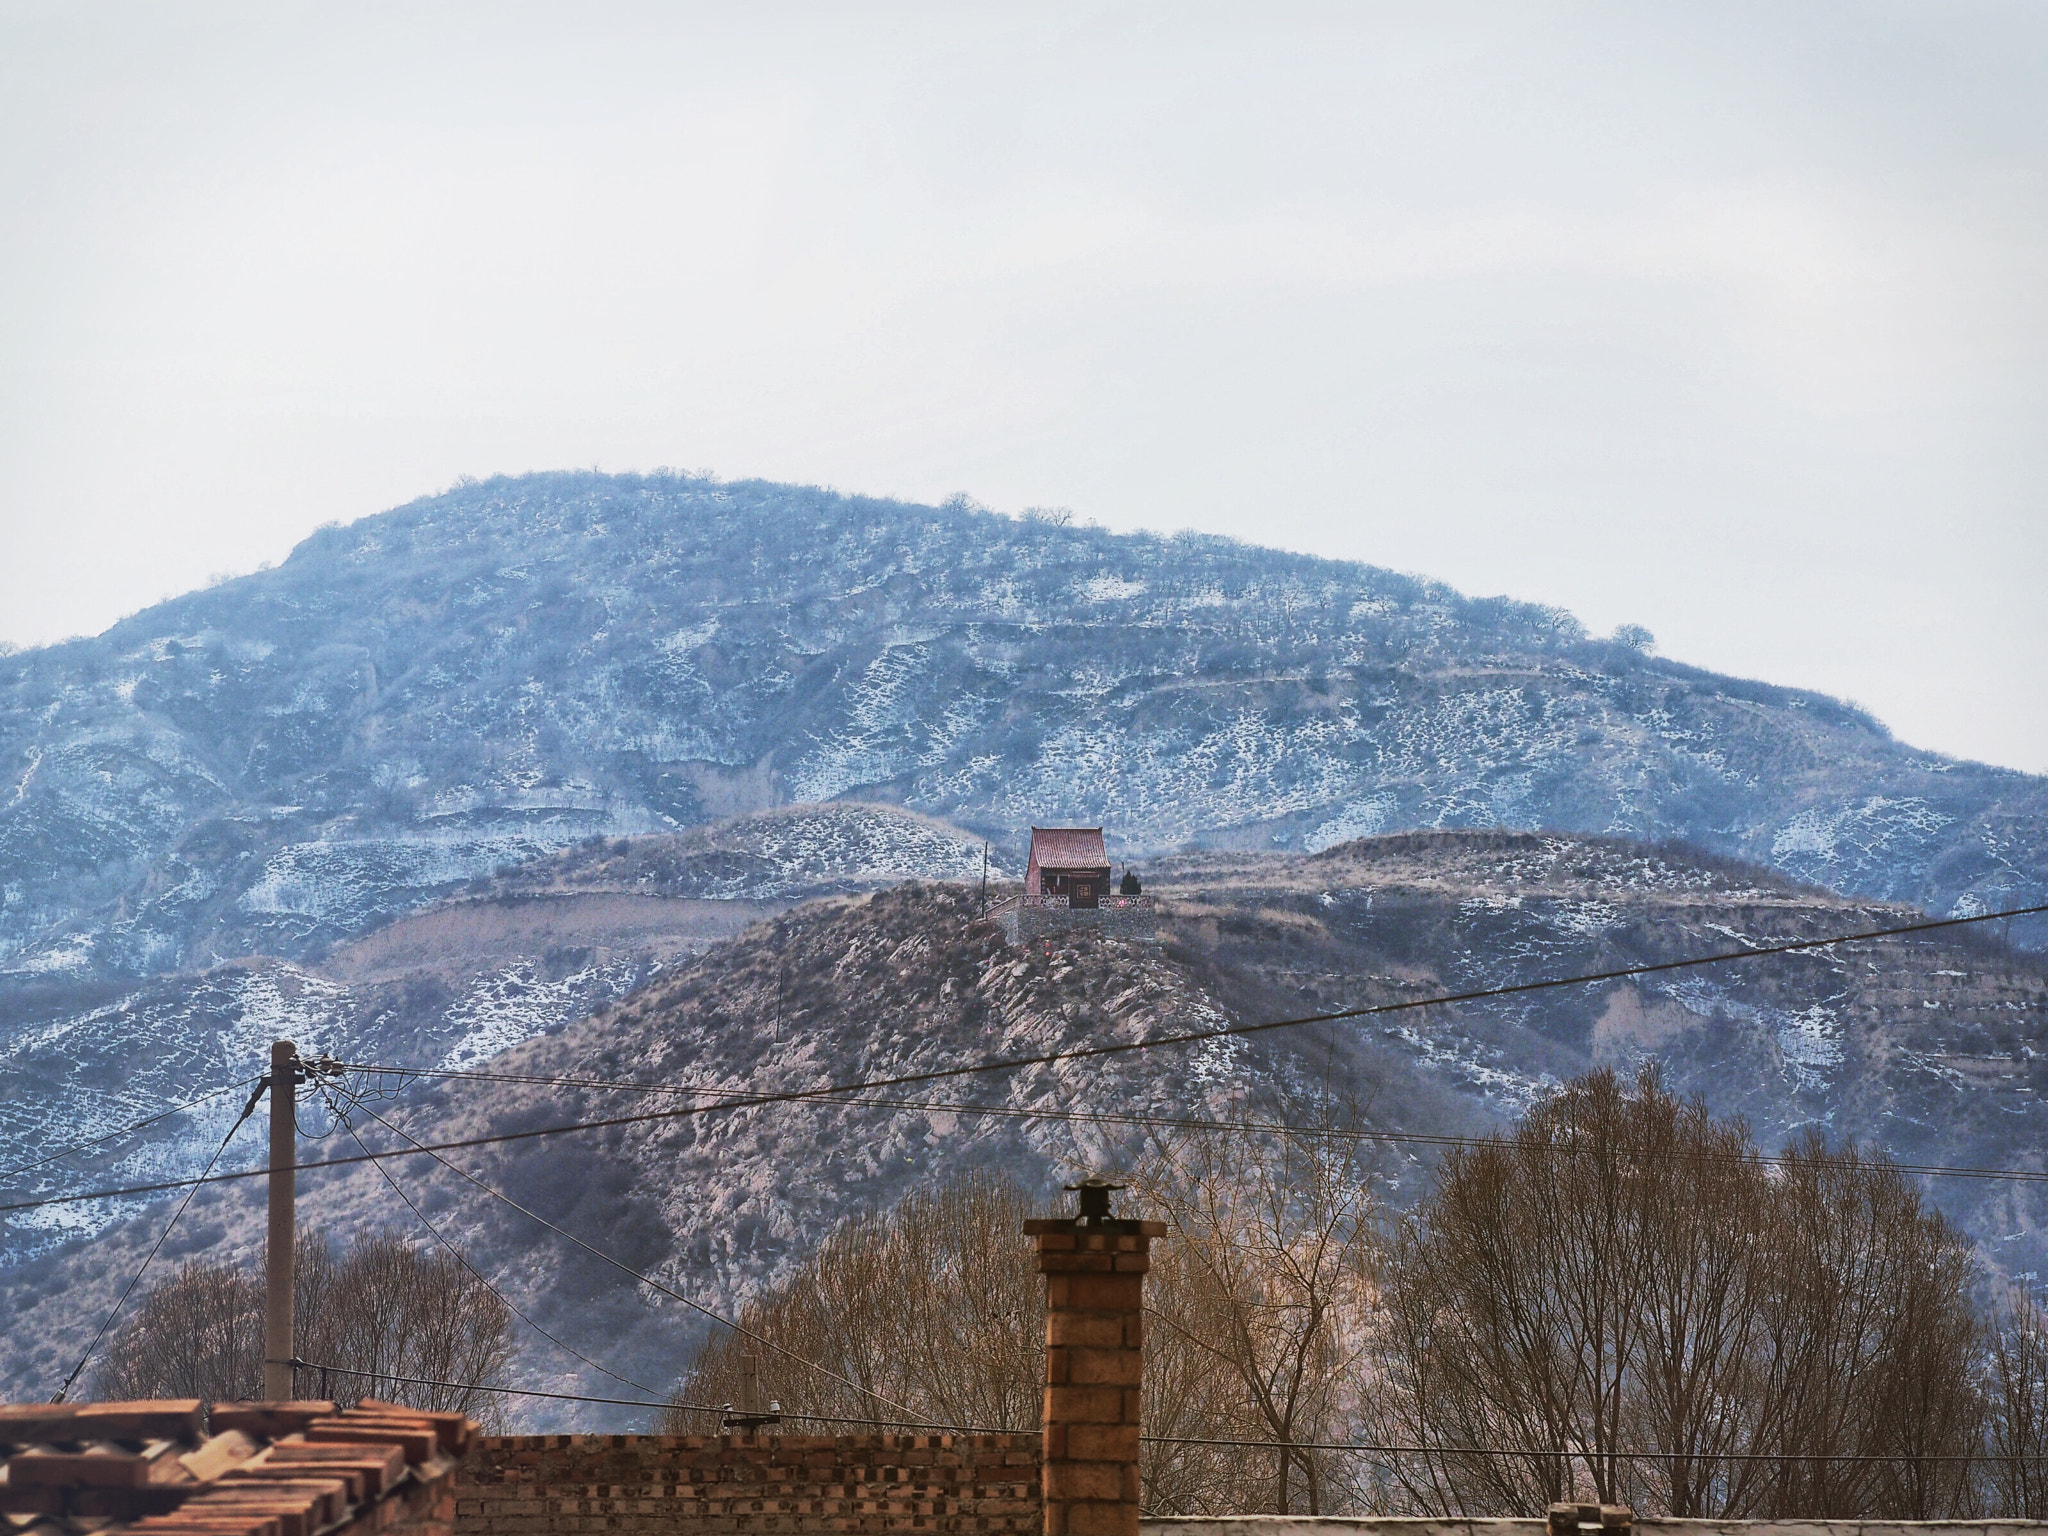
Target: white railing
x=1103 y=902
x=1064 y=904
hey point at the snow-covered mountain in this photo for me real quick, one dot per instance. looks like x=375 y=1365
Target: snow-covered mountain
x=424 y=697
x=477 y=771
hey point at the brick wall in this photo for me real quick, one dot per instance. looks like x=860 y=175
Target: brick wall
x=777 y=1485
x=426 y=1508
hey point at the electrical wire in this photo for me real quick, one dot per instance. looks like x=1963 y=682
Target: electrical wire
x=1237 y=1445
x=341 y=1116
x=477 y=1386
x=127 y=1130
x=1397 y=1138
x=1116 y=1048
x=696 y=1306
x=623 y=1402
x=1106 y=1117
x=1402 y=1005
x=1705 y=1457
x=128 y=1290
x=1019 y=1112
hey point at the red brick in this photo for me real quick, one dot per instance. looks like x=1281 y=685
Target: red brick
x=1102 y=1442
x=1085 y=1328
x=1076 y=1263
x=1104 y=1367
x=1102 y=1519
x=1070 y=1480
x=1084 y=1405
x=1111 y=1293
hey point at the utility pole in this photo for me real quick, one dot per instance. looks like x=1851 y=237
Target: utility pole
x=277 y=1288
x=984 y=875
x=751 y=1415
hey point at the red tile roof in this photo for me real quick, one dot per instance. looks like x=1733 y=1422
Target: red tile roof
x=256 y=1469
x=1068 y=848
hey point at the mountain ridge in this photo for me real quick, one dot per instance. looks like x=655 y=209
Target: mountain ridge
x=425 y=696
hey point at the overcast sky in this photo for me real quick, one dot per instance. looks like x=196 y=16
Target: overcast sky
x=1727 y=320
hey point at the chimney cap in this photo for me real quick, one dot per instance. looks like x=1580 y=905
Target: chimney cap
x=1095 y=1193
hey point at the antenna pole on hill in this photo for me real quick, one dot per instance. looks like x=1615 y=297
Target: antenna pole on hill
x=984 y=874
x=277 y=1269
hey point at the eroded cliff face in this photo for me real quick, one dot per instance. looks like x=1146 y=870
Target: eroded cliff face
x=428 y=696
x=1928 y=1047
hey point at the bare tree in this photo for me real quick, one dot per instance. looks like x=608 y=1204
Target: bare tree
x=199 y=1334
x=1866 y=1385
x=1622 y=1301
x=1514 y=1306
x=385 y=1318
x=1260 y=1309
x=933 y=1311
x=380 y=1311
x=936 y=1310
x=2016 y=1410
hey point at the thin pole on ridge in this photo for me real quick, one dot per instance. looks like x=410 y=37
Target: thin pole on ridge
x=277 y=1267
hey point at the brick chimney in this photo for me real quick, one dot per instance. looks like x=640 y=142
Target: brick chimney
x=1094 y=1266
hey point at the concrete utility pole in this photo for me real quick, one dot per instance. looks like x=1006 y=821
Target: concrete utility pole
x=277 y=1287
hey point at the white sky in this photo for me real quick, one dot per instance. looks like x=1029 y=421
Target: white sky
x=1730 y=320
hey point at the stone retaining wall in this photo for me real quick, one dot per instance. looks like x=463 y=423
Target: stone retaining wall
x=1124 y=918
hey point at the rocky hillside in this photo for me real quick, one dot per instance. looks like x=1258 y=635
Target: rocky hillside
x=1929 y=1047
x=498 y=963
x=424 y=697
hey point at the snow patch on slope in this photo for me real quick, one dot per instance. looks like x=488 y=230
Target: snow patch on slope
x=1361 y=818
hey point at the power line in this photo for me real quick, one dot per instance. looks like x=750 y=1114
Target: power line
x=626 y=1269
x=1011 y=1111
x=1189 y=1037
x=1554 y=1453
x=1400 y=1138
x=626 y=1402
x=1142 y=1121
x=530 y=1078
x=126 y=1130
x=463 y=1259
x=248 y=1109
x=1705 y=1457
x=475 y=1386
x=1117 y=1048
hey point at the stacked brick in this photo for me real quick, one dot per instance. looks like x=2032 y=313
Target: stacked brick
x=783 y=1485
x=169 y=1468
x=1094 y=1271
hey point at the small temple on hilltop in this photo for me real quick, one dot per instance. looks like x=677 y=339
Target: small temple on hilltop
x=1069 y=862
x=1067 y=885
